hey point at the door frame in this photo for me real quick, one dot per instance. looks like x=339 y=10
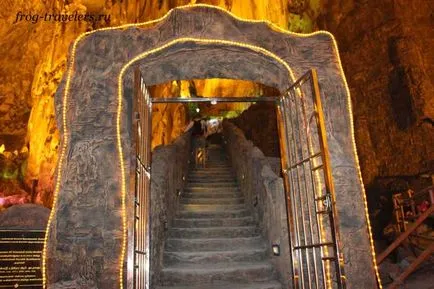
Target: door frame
x=282 y=111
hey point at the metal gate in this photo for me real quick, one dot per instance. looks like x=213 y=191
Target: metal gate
x=316 y=258
x=142 y=126
x=317 y=262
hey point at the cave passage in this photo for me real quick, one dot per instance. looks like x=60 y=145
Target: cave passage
x=217 y=227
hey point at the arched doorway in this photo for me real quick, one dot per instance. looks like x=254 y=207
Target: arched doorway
x=88 y=224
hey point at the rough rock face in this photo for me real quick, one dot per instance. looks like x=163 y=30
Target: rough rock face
x=25 y=217
x=264 y=193
x=265 y=136
x=390 y=72
x=32 y=61
x=169 y=166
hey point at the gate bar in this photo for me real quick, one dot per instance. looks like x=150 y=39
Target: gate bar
x=214 y=99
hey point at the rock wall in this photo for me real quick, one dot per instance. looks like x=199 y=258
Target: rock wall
x=24 y=217
x=263 y=193
x=169 y=165
x=384 y=47
x=265 y=135
x=32 y=61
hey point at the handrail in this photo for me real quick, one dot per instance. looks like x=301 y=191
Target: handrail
x=419 y=260
x=425 y=254
x=404 y=235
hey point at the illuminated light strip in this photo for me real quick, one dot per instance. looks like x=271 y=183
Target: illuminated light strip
x=356 y=158
x=273 y=26
x=60 y=160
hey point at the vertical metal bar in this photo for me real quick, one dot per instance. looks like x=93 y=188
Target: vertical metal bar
x=293 y=156
x=283 y=132
x=315 y=207
x=136 y=177
x=141 y=189
x=148 y=208
x=143 y=133
x=295 y=253
x=309 y=203
x=302 y=203
x=311 y=165
x=328 y=177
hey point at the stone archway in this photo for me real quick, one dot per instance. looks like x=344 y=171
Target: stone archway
x=87 y=228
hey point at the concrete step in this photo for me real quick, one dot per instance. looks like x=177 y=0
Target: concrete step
x=211 y=179
x=200 y=174
x=207 y=257
x=204 y=172
x=203 y=189
x=229 y=176
x=212 y=222
x=211 y=208
x=215 y=165
x=232 y=184
x=215 y=244
x=225 y=285
x=222 y=194
x=213 y=232
x=185 y=274
x=213 y=214
x=214 y=169
x=212 y=183
x=211 y=201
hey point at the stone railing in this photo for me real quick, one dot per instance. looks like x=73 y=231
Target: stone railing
x=169 y=169
x=263 y=192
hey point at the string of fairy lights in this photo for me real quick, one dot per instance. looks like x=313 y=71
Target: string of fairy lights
x=65 y=133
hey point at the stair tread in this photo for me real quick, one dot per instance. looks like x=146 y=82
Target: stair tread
x=217 y=228
x=214 y=244
x=255 y=285
x=206 y=213
x=212 y=219
x=200 y=198
x=213 y=239
x=245 y=250
x=212 y=207
x=222 y=267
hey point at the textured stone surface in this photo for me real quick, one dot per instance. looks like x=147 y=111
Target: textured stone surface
x=32 y=61
x=389 y=69
x=264 y=136
x=264 y=195
x=24 y=217
x=169 y=165
x=90 y=179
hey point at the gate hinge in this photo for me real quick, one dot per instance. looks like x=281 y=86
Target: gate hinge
x=327 y=202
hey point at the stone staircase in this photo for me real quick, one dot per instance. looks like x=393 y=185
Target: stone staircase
x=214 y=242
